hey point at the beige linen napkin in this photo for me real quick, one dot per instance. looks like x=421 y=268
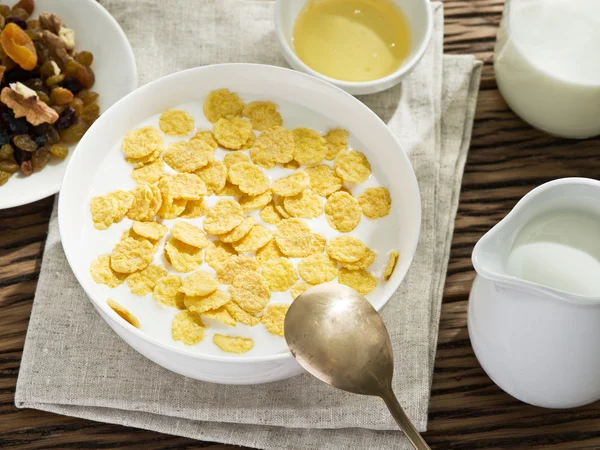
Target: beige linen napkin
x=74 y=364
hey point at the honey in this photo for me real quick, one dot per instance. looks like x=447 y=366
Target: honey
x=352 y=40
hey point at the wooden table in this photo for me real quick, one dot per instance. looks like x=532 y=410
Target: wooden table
x=507 y=160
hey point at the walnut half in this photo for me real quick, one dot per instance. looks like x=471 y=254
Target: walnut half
x=32 y=108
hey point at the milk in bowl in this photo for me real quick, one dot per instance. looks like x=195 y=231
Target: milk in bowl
x=547 y=64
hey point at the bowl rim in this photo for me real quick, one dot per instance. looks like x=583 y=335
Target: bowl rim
x=404 y=69
x=63 y=211
x=54 y=188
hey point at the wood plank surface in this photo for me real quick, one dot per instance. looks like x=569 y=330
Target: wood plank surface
x=507 y=159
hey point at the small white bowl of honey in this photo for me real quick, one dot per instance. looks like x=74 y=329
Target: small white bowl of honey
x=361 y=46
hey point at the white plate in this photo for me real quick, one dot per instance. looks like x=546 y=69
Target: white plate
x=98 y=167
x=116 y=76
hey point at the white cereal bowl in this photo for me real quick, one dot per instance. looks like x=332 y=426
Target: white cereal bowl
x=420 y=19
x=116 y=76
x=98 y=167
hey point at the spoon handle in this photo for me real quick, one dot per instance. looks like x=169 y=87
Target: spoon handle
x=403 y=421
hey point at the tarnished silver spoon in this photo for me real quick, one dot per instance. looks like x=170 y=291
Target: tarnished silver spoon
x=337 y=336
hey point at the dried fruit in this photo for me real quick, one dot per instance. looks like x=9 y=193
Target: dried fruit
x=24 y=142
x=9 y=166
x=55 y=79
x=18 y=46
x=67 y=118
x=6 y=152
x=26 y=5
x=74 y=133
x=85 y=95
x=86 y=58
x=81 y=73
x=90 y=113
x=40 y=159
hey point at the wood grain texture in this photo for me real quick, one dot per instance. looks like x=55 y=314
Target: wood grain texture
x=507 y=160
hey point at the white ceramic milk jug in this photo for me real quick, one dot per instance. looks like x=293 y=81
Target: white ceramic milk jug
x=534 y=309
x=547 y=64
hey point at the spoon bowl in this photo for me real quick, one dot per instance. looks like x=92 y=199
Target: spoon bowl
x=338 y=337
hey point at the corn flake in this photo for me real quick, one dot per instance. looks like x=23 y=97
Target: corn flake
x=214 y=175
x=144 y=281
x=231 y=158
x=239 y=232
x=362 y=263
x=250 y=291
x=291 y=185
x=274 y=317
x=142 y=142
x=391 y=265
x=190 y=235
x=337 y=141
x=199 y=284
x=207 y=137
x=147 y=200
x=306 y=205
x=188 y=156
x=268 y=252
x=298 y=289
x=318 y=268
x=279 y=274
x=310 y=146
x=223 y=217
x=240 y=315
x=323 y=180
x=110 y=208
x=187 y=327
x=346 y=249
x=217 y=253
x=233 y=344
x=249 y=178
x=183 y=257
x=263 y=115
x=184 y=186
x=175 y=122
x=149 y=173
x=171 y=209
x=294 y=238
x=141 y=162
x=166 y=291
x=292 y=165
x=221 y=314
x=279 y=207
x=214 y=300
x=359 y=280
x=258 y=237
x=230 y=190
x=352 y=166
x=276 y=145
x=131 y=255
x=123 y=312
x=150 y=230
x=342 y=211
x=194 y=209
x=232 y=132
x=222 y=103
x=318 y=245
x=102 y=272
x=375 y=202
x=270 y=215
x=248 y=202
x=235 y=265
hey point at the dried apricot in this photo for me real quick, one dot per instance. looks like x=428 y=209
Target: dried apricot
x=18 y=46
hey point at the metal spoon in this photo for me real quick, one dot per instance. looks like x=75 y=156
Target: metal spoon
x=337 y=336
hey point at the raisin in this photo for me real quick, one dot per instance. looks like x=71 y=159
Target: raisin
x=35 y=84
x=60 y=151
x=34 y=35
x=83 y=74
x=4 y=176
x=4 y=10
x=18 y=74
x=27 y=5
x=88 y=96
x=7 y=153
x=43 y=97
x=27 y=167
x=72 y=84
x=42 y=50
x=52 y=135
x=61 y=96
x=24 y=142
x=41 y=158
x=21 y=156
x=74 y=133
x=19 y=46
x=91 y=112
x=9 y=166
x=77 y=104
x=20 y=22
x=86 y=58
x=4 y=136
x=19 y=12
x=14 y=125
x=33 y=24
x=40 y=139
x=66 y=119
x=47 y=69
x=59 y=108
x=55 y=79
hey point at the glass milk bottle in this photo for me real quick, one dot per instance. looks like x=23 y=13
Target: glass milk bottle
x=547 y=63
